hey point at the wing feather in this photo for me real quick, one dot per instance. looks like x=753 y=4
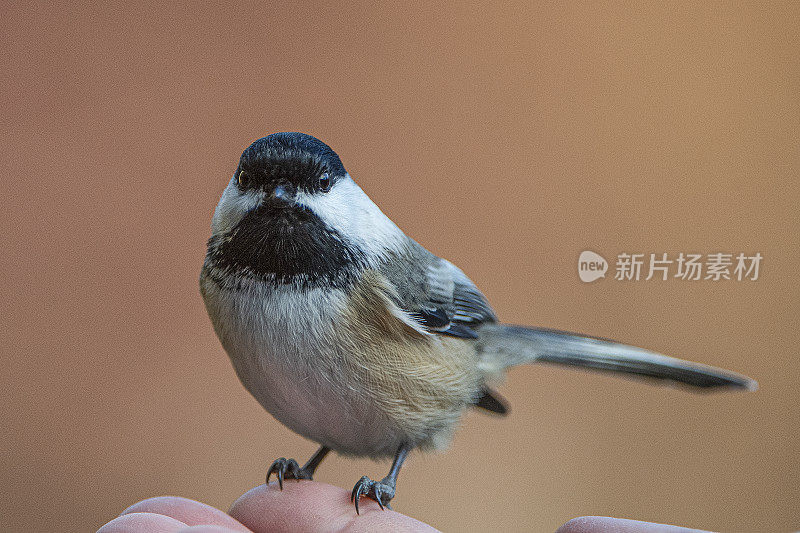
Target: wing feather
x=436 y=293
x=452 y=304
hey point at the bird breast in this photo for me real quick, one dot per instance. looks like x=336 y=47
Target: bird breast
x=344 y=368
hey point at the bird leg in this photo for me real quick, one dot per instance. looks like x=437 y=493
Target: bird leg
x=381 y=491
x=289 y=469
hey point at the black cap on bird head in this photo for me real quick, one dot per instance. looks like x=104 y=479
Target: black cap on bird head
x=293 y=158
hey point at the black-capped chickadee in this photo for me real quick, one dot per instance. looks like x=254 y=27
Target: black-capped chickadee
x=355 y=336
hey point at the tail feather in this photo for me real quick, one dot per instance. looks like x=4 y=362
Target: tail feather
x=503 y=346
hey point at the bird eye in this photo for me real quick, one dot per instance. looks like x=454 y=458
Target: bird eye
x=244 y=179
x=325 y=182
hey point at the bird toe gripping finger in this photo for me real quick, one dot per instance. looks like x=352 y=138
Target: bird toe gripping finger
x=286 y=469
x=380 y=491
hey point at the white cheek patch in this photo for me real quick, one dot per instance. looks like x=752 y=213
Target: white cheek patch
x=232 y=207
x=348 y=210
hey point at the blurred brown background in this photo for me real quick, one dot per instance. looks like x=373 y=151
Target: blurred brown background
x=505 y=138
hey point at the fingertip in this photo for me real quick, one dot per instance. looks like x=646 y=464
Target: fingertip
x=142 y=522
x=189 y=512
x=154 y=504
x=605 y=524
x=208 y=529
x=310 y=505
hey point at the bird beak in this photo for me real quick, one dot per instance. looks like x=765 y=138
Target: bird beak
x=284 y=193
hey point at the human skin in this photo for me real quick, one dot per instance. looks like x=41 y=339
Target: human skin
x=309 y=506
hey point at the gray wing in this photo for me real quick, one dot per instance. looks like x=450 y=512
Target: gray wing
x=444 y=301
x=437 y=293
x=462 y=309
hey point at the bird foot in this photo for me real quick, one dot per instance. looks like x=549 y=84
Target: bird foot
x=380 y=491
x=287 y=469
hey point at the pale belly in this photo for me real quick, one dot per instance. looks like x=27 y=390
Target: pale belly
x=359 y=382
x=316 y=404
x=283 y=353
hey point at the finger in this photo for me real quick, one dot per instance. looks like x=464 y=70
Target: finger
x=189 y=512
x=207 y=529
x=312 y=506
x=142 y=523
x=604 y=524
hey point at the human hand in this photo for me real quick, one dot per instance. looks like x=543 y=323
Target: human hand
x=300 y=506
x=604 y=524
x=309 y=506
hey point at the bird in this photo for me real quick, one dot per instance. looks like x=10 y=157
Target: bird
x=355 y=336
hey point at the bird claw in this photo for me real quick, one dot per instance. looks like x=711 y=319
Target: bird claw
x=286 y=469
x=380 y=491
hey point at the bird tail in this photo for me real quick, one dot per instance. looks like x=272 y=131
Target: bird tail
x=502 y=346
